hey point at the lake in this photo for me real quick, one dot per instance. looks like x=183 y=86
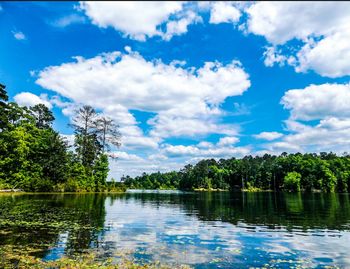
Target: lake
x=202 y=230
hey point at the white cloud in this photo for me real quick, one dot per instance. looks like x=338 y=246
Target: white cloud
x=180 y=150
x=122 y=155
x=165 y=125
x=318 y=101
x=68 y=20
x=69 y=138
x=137 y=20
x=240 y=109
x=224 y=148
x=273 y=56
x=30 y=99
x=331 y=134
x=219 y=151
x=277 y=148
x=134 y=165
x=179 y=26
x=228 y=141
x=277 y=22
x=334 y=49
x=268 y=135
x=157 y=157
x=325 y=104
x=322 y=28
x=205 y=144
x=224 y=12
x=18 y=35
x=116 y=83
x=68 y=108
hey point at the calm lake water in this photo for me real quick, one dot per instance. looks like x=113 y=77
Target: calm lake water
x=202 y=230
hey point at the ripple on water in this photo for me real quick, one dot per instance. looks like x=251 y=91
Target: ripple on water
x=202 y=230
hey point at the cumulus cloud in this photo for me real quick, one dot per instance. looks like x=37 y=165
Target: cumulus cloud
x=122 y=155
x=181 y=150
x=30 y=99
x=333 y=49
x=119 y=83
x=219 y=151
x=116 y=83
x=134 y=165
x=224 y=12
x=137 y=20
x=277 y=148
x=228 y=141
x=331 y=134
x=224 y=148
x=180 y=26
x=318 y=101
x=321 y=27
x=319 y=120
x=268 y=135
x=18 y=35
x=272 y=56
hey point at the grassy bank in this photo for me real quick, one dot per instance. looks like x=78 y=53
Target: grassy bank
x=211 y=189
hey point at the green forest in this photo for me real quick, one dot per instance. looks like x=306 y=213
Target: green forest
x=324 y=172
x=34 y=157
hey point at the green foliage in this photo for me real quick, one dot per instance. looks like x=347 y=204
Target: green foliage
x=101 y=172
x=168 y=180
x=113 y=186
x=42 y=115
x=34 y=157
x=87 y=149
x=325 y=172
x=292 y=181
x=3 y=107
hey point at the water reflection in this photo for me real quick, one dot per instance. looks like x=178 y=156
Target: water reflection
x=204 y=230
x=45 y=221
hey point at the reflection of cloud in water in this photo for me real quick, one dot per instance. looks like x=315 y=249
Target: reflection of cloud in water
x=334 y=246
x=165 y=232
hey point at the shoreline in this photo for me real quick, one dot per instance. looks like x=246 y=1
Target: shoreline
x=198 y=190
x=57 y=192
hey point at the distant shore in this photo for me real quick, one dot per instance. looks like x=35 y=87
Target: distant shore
x=11 y=190
x=54 y=192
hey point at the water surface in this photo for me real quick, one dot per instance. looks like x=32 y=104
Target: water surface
x=203 y=230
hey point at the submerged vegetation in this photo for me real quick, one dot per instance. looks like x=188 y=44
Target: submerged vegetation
x=324 y=172
x=87 y=230
x=89 y=260
x=35 y=157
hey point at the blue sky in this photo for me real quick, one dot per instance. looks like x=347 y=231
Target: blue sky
x=186 y=81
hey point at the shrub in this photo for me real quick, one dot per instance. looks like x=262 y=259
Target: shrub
x=291 y=181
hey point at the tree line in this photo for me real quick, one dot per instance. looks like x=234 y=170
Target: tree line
x=326 y=172
x=35 y=157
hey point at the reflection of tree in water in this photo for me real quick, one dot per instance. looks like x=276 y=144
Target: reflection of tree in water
x=90 y=217
x=291 y=210
x=38 y=220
